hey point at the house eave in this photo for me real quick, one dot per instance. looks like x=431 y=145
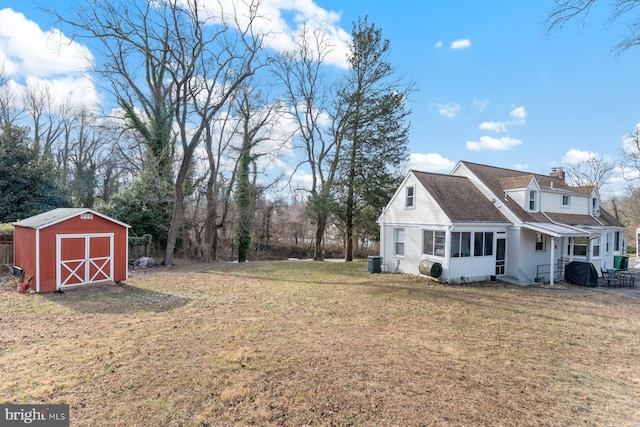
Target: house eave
x=557 y=230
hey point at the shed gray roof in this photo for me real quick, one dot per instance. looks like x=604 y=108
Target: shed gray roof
x=460 y=200
x=54 y=216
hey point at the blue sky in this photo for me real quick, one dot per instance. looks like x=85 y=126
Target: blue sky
x=492 y=87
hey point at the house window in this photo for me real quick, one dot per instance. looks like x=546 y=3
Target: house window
x=409 y=200
x=433 y=242
x=460 y=244
x=594 y=206
x=579 y=246
x=607 y=243
x=541 y=242
x=398 y=241
x=596 y=246
x=483 y=243
x=533 y=200
x=566 y=201
x=616 y=242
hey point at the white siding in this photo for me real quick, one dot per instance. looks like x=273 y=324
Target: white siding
x=425 y=211
x=513 y=252
x=521 y=197
x=552 y=202
x=409 y=262
x=530 y=259
x=472 y=268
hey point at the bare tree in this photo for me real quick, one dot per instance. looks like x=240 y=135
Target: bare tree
x=566 y=11
x=631 y=154
x=220 y=179
x=256 y=115
x=9 y=111
x=306 y=89
x=595 y=171
x=45 y=116
x=177 y=61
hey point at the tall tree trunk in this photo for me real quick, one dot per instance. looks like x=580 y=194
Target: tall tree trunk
x=208 y=253
x=177 y=217
x=244 y=208
x=348 y=256
x=321 y=224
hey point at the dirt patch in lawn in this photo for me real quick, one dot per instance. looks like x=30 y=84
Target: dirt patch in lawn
x=304 y=343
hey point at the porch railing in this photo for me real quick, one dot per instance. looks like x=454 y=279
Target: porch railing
x=543 y=271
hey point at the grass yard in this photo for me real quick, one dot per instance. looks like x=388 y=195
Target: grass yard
x=322 y=344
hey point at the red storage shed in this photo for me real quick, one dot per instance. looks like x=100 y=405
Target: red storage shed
x=70 y=246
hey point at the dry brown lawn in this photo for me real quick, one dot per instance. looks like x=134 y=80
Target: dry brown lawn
x=322 y=344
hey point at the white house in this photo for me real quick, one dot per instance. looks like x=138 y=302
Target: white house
x=481 y=221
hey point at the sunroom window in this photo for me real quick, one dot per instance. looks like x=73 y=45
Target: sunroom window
x=460 y=244
x=482 y=243
x=433 y=242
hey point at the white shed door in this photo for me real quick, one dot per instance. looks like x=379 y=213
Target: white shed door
x=82 y=259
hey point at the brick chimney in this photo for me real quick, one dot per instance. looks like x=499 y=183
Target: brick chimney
x=558 y=173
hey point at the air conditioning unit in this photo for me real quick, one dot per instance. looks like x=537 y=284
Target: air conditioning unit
x=595 y=212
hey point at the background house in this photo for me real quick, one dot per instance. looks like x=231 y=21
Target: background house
x=482 y=221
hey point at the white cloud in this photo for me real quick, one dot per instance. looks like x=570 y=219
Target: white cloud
x=79 y=89
x=575 y=156
x=630 y=141
x=494 y=144
x=438 y=44
x=481 y=105
x=48 y=60
x=625 y=174
x=301 y=180
x=450 y=110
x=520 y=166
x=281 y=20
x=493 y=126
x=26 y=50
x=430 y=162
x=518 y=112
x=461 y=44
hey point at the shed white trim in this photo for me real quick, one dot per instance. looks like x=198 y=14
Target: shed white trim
x=79 y=270
x=37 y=261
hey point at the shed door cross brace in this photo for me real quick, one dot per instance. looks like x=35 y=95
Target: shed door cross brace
x=93 y=266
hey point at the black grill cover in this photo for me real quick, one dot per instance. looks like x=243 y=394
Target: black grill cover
x=581 y=273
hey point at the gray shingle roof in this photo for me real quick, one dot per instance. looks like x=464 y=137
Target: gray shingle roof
x=459 y=198
x=55 y=215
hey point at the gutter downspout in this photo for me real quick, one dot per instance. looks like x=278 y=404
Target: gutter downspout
x=38 y=260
